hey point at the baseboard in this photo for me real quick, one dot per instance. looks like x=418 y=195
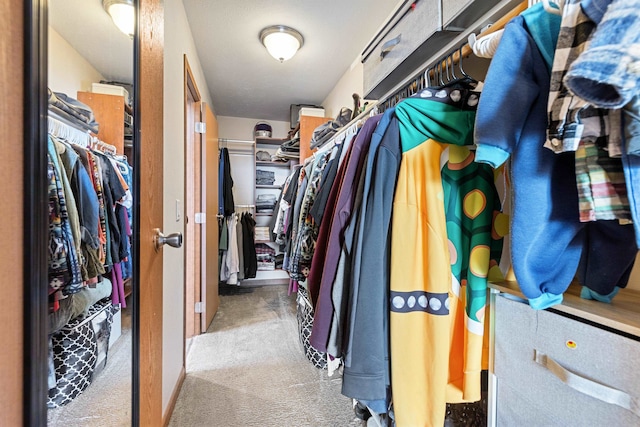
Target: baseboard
x=174 y=398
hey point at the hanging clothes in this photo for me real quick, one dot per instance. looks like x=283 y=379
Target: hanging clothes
x=249 y=246
x=546 y=247
x=69 y=223
x=424 y=295
x=307 y=231
x=226 y=205
x=230 y=259
x=341 y=214
x=321 y=251
x=366 y=356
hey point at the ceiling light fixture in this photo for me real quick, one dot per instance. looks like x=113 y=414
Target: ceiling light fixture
x=282 y=42
x=122 y=13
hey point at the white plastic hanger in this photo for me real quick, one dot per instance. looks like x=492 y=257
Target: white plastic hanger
x=556 y=9
x=67 y=133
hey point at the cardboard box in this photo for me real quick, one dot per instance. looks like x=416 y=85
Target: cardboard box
x=110 y=90
x=314 y=112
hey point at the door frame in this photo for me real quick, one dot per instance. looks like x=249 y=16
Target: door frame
x=35 y=221
x=193 y=242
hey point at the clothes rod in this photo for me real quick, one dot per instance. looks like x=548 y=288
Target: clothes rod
x=236 y=141
x=346 y=127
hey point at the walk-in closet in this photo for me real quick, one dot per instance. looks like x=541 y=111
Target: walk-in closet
x=354 y=214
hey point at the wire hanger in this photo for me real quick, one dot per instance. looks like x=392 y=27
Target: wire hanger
x=427 y=77
x=464 y=74
x=453 y=68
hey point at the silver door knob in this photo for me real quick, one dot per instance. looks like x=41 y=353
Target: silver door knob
x=159 y=239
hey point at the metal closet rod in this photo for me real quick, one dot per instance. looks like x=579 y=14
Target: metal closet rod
x=237 y=141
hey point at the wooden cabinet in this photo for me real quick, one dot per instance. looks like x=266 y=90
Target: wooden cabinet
x=110 y=113
x=307 y=125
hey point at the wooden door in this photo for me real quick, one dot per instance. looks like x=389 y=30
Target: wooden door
x=150 y=165
x=209 y=292
x=12 y=367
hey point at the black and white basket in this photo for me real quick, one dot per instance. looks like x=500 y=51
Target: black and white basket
x=78 y=350
x=304 y=314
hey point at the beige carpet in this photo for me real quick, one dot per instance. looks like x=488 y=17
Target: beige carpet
x=249 y=370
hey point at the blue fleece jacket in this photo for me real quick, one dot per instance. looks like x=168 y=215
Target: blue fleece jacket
x=511 y=121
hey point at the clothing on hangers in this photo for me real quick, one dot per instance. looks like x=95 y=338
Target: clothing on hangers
x=98 y=201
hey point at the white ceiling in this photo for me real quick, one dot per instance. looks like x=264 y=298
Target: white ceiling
x=244 y=80
x=90 y=30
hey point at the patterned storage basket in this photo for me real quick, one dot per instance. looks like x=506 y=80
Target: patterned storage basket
x=75 y=349
x=305 y=323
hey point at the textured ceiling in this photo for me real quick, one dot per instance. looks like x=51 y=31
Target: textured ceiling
x=90 y=30
x=244 y=80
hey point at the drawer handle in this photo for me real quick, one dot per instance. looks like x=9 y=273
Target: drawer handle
x=389 y=45
x=586 y=386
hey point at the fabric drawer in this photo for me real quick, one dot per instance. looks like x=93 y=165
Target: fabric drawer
x=531 y=345
x=451 y=8
x=413 y=29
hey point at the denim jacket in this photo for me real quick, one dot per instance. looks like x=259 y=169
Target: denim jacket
x=595 y=9
x=607 y=73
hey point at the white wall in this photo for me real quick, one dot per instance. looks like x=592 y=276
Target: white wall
x=352 y=81
x=178 y=41
x=69 y=72
x=242 y=128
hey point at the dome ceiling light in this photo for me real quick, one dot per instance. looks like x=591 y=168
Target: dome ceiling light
x=122 y=13
x=282 y=42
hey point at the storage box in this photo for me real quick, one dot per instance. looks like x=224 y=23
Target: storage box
x=294 y=113
x=552 y=369
x=313 y=112
x=110 y=90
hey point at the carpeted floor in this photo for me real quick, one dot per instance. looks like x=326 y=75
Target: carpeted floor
x=249 y=370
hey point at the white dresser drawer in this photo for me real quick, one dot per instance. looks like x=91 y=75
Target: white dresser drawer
x=531 y=393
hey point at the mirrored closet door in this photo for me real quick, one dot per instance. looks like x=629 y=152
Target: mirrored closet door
x=90 y=140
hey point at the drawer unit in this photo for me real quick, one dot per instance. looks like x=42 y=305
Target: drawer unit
x=554 y=370
x=416 y=26
x=414 y=35
x=451 y=8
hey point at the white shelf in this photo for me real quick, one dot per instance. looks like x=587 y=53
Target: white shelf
x=273 y=164
x=267 y=277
